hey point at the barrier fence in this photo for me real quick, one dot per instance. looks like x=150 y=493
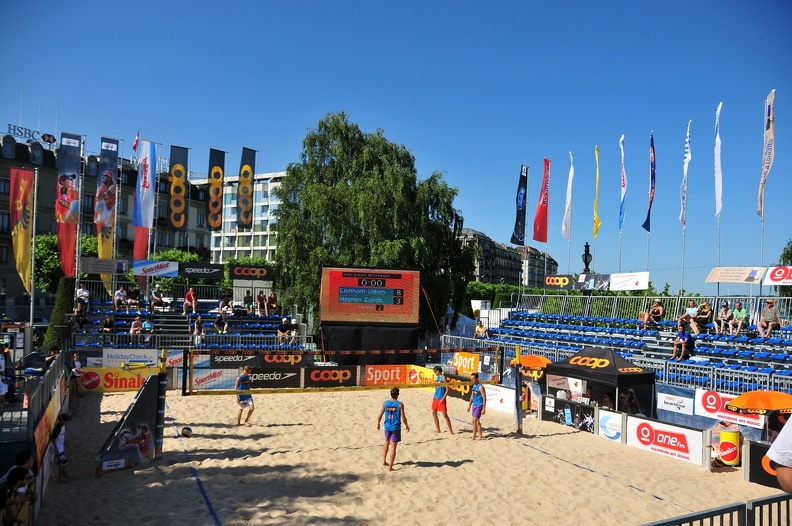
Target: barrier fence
x=769 y=511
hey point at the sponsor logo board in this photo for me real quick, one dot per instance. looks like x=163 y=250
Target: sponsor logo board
x=258 y=272
x=735 y=275
x=112 y=379
x=678 y=404
x=664 y=439
x=560 y=282
x=201 y=270
x=629 y=281
x=610 y=425
x=385 y=375
x=144 y=267
x=120 y=357
x=269 y=377
x=466 y=363
x=175 y=358
x=500 y=398
x=778 y=276
x=712 y=404
x=330 y=376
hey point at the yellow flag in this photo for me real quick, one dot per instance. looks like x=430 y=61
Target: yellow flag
x=105 y=242
x=597 y=222
x=21 y=221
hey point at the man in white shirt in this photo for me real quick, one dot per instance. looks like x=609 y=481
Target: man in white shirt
x=84 y=296
x=781 y=453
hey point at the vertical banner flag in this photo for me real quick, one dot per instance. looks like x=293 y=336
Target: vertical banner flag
x=718 y=173
x=143 y=212
x=683 y=188
x=768 y=153
x=566 y=225
x=105 y=203
x=647 y=224
x=67 y=200
x=540 y=218
x=247 y=167
x=177 y=202
x=21 y=221
x=214 y=207
x=137 y=141
x=597 y=222
x=518 y=235
x=623 y=204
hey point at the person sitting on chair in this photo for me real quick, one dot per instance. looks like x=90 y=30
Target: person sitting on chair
x=248 y=302
x=702 y=318
x=119 y=298
x=685 y=343
x=770 y=319
x=481 y=331
x=136 y=328
x=80 y=316
x=284 y=330
x=724 y=319
x=272 y=304
x=83 y=296
x=191 y=301
x=157 y=299
x=133 y=298
x=655 y=313
x=740 y=317
x=687 y=317
x=261 y=303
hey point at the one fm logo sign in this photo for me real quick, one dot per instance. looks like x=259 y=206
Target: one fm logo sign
x=712 y=402
x=648 y=436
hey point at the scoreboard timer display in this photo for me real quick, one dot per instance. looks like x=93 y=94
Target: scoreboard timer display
x=369 y=295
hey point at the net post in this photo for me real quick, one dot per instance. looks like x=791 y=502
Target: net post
x=518 y=410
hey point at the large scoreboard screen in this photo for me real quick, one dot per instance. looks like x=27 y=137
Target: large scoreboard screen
x=369 y=295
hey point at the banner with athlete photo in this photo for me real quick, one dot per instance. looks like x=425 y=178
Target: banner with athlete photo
x=778 y=277
x=560 y=282
x=629 y=281
x=67 y=200
x=105 y=204
x=589 y=281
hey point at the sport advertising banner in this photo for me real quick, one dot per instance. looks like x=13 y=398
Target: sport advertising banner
x=105 y=204
x=589 y=281
x=735 y=275
x=383 y=375
x=330 y=376
x=179 y=186
x=145 y=267
x=112 y=379
x=269 y=378
x=175 y=359
x=778 y=276
x=560 y=282
x=201 y=270
x=610 y=425
x=67 y=200
x=214 y=206
x=247 y=167
x=251 y=272
x=569 y=413
x=466 y=363
x=663 y=439
x=629 y=281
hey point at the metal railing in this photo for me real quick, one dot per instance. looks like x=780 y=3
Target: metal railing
x=768 y=511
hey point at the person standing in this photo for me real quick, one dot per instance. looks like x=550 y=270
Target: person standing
x=393 y=421
x=478 y=404
x=77 y=371
x=59 y=442
x=770 y=319
x=780 y=452
x=439 y=401
x=244 y=400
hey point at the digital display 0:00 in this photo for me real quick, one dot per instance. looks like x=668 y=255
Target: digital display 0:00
x=369 y=296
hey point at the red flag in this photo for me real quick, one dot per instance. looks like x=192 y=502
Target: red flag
x=540 y=219
x=137 y=141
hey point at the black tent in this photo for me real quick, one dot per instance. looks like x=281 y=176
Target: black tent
x=605 y=367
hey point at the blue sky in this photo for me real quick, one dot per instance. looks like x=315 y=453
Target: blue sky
x=473 y=90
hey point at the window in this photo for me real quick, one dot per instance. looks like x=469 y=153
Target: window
x=3 y=253
x=124 y=178
x=182 y=241
x=201 y=219
x=88 y=202
x=157 y=238
x=199 y=240
x=5 y=186
x=122 y=232
x=5 y=219
x=88 y=229
x=123 y=204
x=168 y=241
x=158 y=211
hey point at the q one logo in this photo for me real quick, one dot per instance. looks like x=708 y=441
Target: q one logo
x=711 y=401
x=645 y=434
x=780 y=275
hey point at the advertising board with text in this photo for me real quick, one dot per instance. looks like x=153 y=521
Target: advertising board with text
x=712 y=404
x=664 y=439
x=330 y=376
x=273 y=378
x=610 y=425
x=778 y=276
x=121 y=357
x=369 y=296
x=113 y=379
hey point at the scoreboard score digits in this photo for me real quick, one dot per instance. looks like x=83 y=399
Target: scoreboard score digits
x=369 y=295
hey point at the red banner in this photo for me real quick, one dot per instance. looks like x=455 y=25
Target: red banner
x=540 y=219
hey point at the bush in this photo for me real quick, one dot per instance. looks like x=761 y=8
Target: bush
x=63 y=306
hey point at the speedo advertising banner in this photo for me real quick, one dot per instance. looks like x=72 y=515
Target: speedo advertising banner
x=236 y=360
x=201 y=270
x=245 y=188
x=177 y=201
x=251 y=272
x=270 y=378
x=560 y=282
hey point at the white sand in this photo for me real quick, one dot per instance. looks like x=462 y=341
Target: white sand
x=317 y=459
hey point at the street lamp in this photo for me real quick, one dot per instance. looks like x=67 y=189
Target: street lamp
x=586 y=258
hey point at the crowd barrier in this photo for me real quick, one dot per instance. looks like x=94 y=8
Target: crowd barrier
x=769 y=511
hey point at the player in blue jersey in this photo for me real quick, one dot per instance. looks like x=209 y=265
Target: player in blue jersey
x=244 y=399
x=439 y=401
x=478 y=402
x=395 y=415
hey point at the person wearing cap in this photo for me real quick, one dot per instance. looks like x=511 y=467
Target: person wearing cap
x=724 y=318
x=285 y=332
x=157 y=299
x=740 y=318
x=655 y=313
x=68 y=202
x=770 y=319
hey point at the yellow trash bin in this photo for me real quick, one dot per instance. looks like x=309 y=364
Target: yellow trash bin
x=730 y=447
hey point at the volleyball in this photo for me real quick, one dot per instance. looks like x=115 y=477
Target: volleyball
x=186 y=432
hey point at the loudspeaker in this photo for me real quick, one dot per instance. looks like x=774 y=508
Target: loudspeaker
x=63 y=332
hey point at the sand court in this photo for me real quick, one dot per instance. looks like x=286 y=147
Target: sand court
x=316 y=459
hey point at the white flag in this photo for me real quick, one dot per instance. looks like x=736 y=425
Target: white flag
x=718 y=174
x=683 y=190
x=566 y=226
x=769 y=149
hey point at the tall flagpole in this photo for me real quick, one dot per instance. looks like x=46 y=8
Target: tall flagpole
x=647 y=224
x=683 y=197
x=623 y=204
x=597 y=221
x=33 y=248
x=78 y=240
x=718 y=182
x=768 y=153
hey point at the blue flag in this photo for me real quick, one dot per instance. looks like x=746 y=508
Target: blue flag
x=518 y=236
x=647 y=223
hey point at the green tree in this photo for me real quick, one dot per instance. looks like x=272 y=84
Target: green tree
x=785 y=259
x=354 y=199
x=48 y=270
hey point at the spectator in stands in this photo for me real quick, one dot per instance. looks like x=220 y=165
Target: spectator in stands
x=248 y=302
x=724 y=318
x=781 y=453
x=83 y=296
x=51 y=357
x=607 y=401
x=770 y=319
x=133 y=298
x=687 y=317
x=107 y=324
x=80 y=315
x=198 y=329
x=261 y=303
x=272 y=304
x=655 y=313
x=136 y=328
x=284 y=331
x=119 y=299
x=740 y=317
x=148 y=327
x=481 y=331
x=191 y=301
x=702 y=318
x=157 y=299
x=684 y=341
x=221 y=322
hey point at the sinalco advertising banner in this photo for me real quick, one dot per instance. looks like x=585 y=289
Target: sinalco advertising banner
x=112 y=379
x=664 y=439
x=778 y=276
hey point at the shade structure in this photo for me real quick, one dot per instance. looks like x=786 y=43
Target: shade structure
x=761 y=403
x=532 y=361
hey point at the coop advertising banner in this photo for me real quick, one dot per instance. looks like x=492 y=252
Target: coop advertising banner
x=214 y=206
x=735 y=275
x=245 y=188
x=177 y=201
x=145 y=267
x=629 y=281
x=778 y=276
x=560 y=282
